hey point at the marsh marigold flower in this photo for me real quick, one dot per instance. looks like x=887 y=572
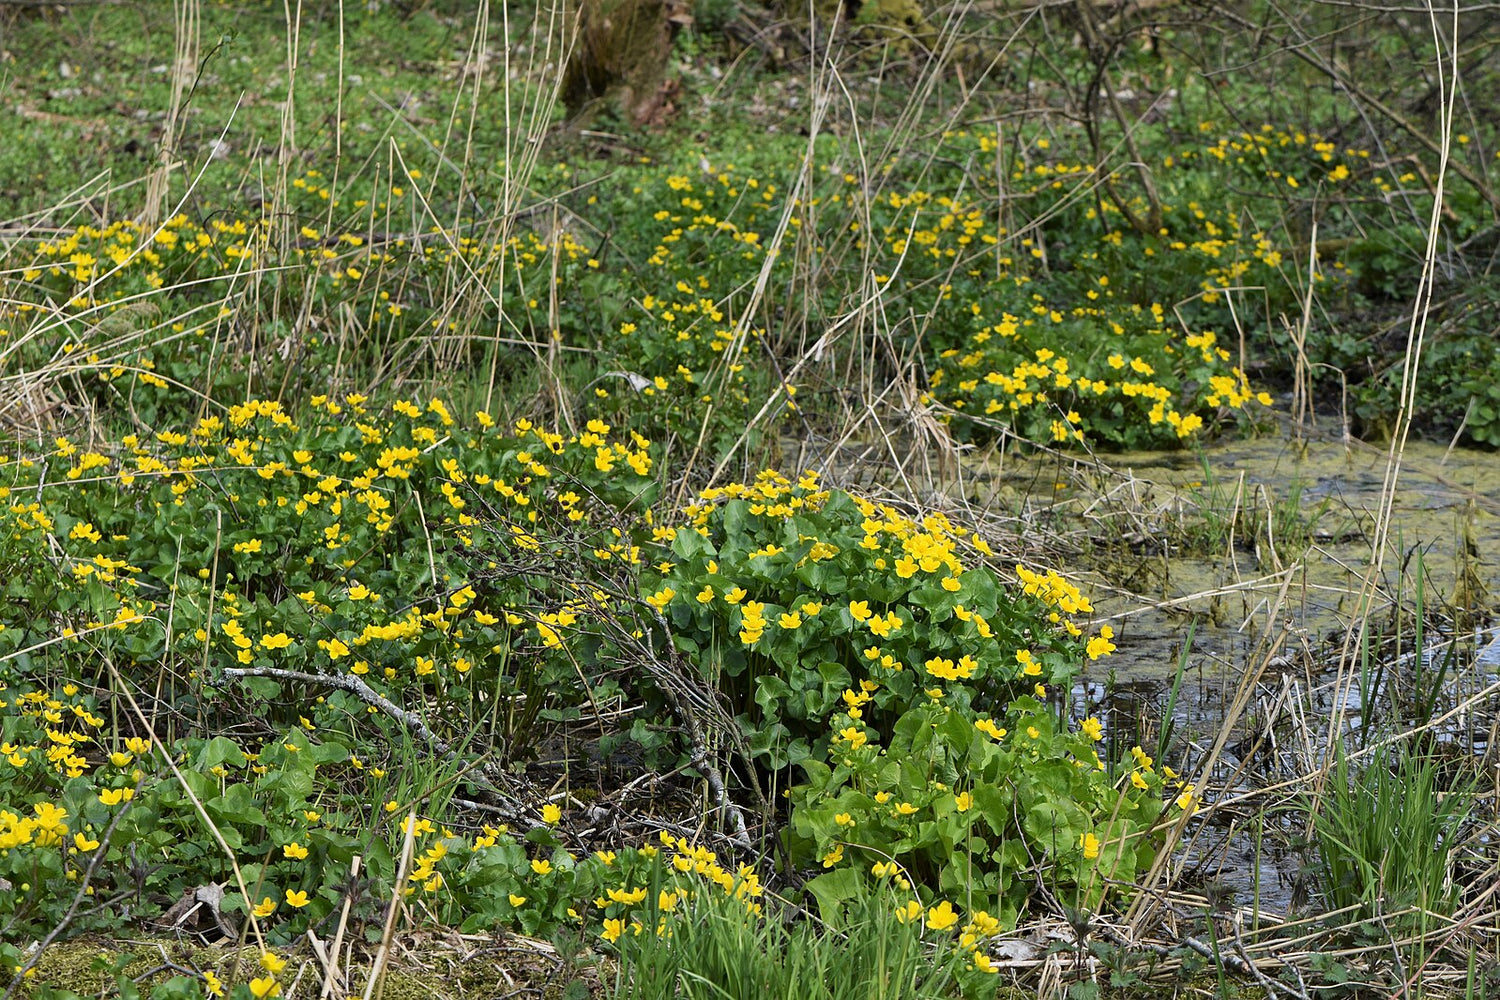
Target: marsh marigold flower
x=989 y=728
x=1100 y=644
x=855 y=736
x=942 y=916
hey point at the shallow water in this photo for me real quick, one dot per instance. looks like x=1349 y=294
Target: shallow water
x=1248 y=553
x=1202 y=560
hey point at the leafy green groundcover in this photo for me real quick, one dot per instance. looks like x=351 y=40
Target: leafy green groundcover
x=367 y=584
x=908 y=683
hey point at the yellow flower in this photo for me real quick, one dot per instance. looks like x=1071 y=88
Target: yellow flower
x=613 y=928
x=905 y=808
x=296 y=898
x=859 y=610
x=50 y=817
x=991 y=730
x=541 y=866
x=909 y=911
x=294 y=851
x=1100 y=644
x=272 y=963
x=212 y=983
x=516 y=901
x=265 y=907
x=1093 y=729
x=791 y=621
x=984 y=924
x=1138 y=781
x=264 y=987
x=940 y=667
x=855 y=736
x=551 y=814
x=1090 y=844
x=941 y=917
x=963 y=802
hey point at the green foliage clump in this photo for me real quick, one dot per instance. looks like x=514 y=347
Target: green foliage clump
x=400 y=549
x=336 y=611
x=712 y=947
x=1386 y=838
x=908 y=682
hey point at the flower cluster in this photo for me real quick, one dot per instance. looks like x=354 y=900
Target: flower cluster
x=879 y=651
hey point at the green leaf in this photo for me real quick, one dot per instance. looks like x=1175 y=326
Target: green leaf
x=832 y=890
x=236 y=807
x=771 y=694
x=1056 y=824
x=773 y=743
x=996 y=804
x=331 y=752
x=262 y=687
x=689 y=544
x=219 y=750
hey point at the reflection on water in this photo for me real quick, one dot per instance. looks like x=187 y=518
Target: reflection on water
x=1257 y=551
